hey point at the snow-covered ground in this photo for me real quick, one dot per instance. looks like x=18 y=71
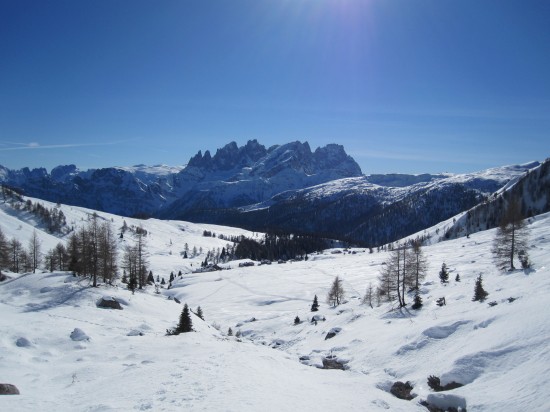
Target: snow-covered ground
x=500 y=353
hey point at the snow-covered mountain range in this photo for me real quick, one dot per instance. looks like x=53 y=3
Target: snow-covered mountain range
x=287 y=187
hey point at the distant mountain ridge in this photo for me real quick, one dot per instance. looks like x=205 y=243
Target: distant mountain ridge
x=234 y=176
x=283 y=188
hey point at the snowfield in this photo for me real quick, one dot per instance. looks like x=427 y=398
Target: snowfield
x=66 y=354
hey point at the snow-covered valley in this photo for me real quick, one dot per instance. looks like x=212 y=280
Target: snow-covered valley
x=123 y=359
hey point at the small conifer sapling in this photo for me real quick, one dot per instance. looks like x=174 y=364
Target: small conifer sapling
x=199 y=313
x=417 y=301
x=315 y=304
x=444 y=273
x=479 y=293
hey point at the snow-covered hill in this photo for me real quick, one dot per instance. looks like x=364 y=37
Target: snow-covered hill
x=498 y=352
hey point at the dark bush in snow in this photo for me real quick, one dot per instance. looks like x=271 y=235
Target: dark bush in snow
x=435 y=383
x=402 y=390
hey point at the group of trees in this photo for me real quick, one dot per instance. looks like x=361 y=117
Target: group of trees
x=135 y=261
x=53 y=219
x=91 y=251
x=15 y=257
x=279 y=246
x=404 y=269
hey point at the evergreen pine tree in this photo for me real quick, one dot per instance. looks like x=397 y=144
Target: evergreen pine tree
x=185 y=325
x=199 y=313
x=171 y=277
x=150 y=278
x=229 y=332
x=132 y=284
x=417 y=301
x=457 y=277
x=296 y=320
x=479 y=293
x=315 y=305
x=444 y=274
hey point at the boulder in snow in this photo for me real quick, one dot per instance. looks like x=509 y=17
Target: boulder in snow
x=446 y=401
x=332 y=333
x=8 y=389
x=23 y=342
x=108 y=302
x=317 y=318
x=331 y=362
x=79 y=335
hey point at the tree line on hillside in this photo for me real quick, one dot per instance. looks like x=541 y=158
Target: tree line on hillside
x=279 y=246
x=53 y=218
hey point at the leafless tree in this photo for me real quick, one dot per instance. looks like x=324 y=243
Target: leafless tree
x=35 y=255
x=336 y=293
x=511 y=236
x=417 y=265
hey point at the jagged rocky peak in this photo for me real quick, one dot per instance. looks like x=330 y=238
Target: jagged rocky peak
x=294 y=155
x=334 y=156
x=230 y=156
x=199 y=160
x=38 y=173
x=63 y=173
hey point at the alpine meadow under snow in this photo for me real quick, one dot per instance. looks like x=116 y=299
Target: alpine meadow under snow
x=64 y=353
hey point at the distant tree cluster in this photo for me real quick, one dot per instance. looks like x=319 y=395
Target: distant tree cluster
x=279 y=246
x=53 y=219
x=217 y=255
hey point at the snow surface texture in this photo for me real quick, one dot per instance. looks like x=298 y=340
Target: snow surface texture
x=126 y=362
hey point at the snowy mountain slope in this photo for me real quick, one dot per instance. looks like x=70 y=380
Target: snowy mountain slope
x=532 y=189
x=362 y=212
x=502 y=359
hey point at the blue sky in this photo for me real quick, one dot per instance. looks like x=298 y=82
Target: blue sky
x=406 y=86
